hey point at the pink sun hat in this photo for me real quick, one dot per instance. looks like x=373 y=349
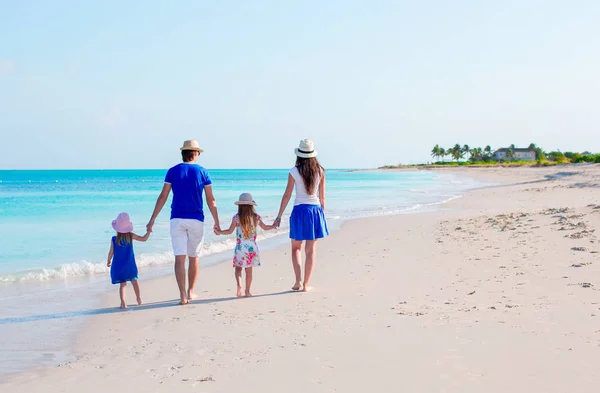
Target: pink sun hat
x=123 y=223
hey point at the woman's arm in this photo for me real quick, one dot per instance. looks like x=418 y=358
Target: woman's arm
x=227 y=231
x=111 y=252
x=160 y=202
x=140 y=238
x=285 y=199
x=322 y=192
x=264 y=226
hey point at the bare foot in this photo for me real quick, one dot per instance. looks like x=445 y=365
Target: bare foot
x=191 y=295
x=296 y=287
x=139 y=300
x=183 y=302
x=306 y=288
x=239 y=292
x=248 y=294
x=123 y=306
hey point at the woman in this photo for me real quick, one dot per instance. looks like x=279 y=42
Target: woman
x=307 y=221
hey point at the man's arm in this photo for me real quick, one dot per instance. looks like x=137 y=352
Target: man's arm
x=160 y=202
x=212 y=205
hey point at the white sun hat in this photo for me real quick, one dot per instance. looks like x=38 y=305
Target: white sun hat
x=306 y=149
x=245 y=199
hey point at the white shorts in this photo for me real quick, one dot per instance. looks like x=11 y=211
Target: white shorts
x=187 y=236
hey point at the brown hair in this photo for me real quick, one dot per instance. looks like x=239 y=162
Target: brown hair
x=248 y=219
x=309 y=169
x=123 y=236
x=187 y=155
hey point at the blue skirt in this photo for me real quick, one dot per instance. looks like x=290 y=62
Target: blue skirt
x=307 y=222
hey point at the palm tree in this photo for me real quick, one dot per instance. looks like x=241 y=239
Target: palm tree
x=488 y=151
x=476 y=154
x=466 y=149
x=435 y=152
x=539 y=153
x=443 y=153
x=510 y=154
x=456 y=152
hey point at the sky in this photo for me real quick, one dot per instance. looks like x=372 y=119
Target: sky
x=121 y=84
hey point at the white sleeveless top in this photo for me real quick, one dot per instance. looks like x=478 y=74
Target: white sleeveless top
x=302 y=197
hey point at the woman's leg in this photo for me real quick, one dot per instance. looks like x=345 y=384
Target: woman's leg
x=238 y=280
x=248 y=281
x=296 y=256
x=136 y=289
x=122 y=294
x=311 y=253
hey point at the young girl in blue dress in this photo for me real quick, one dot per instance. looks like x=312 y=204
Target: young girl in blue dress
x=121 y=258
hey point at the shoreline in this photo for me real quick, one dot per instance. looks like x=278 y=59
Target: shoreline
x=434 y=167
x=530 y=195
x=32 y=265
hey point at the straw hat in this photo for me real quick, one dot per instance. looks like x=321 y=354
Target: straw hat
x=191 y=145
x=123 y=223
x=306 y=149
x=245 y=199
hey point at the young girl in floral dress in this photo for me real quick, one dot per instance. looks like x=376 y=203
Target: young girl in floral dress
x=246 y=251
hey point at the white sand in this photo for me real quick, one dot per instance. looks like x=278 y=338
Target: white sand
x=486 y=295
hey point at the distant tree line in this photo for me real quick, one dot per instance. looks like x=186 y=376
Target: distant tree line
x=486 y=155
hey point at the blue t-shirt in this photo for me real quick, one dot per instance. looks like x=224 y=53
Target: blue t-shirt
x=187 y=182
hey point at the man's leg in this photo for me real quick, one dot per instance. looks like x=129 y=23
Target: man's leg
x=195 y=241
x=179 y=241
x=180 y=277
x=193 y=276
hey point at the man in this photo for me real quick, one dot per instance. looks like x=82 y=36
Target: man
x=187 y=180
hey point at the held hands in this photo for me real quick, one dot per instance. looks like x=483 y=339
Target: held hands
x=150 y=225
x=277 y=222
x=217 y=228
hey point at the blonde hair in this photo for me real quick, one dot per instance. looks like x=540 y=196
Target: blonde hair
x=248 y=220
x=123 y=236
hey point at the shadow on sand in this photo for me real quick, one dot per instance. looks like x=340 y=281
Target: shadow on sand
x=112 y=310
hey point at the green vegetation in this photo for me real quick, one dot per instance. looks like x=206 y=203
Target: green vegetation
x=466 y=156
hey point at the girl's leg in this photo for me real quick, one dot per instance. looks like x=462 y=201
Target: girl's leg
x=238 y=280
x=296 y=256
x=122 y=294
x=136 y=289
x=311 y=253
x=248 y=281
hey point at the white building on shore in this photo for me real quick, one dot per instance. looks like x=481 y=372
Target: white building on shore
x=520 y=154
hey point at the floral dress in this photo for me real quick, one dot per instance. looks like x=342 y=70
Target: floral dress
x=246 y=250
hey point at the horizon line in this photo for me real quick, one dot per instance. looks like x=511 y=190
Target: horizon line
x=153 y=169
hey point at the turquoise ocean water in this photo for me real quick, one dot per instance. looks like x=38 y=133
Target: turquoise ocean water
x=55 y=230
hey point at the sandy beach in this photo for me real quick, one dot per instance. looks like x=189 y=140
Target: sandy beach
x=495 y=292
